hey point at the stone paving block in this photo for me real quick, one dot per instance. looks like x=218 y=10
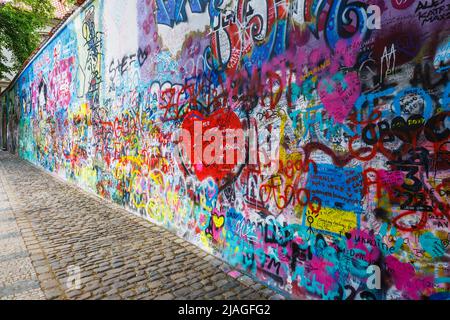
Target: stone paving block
x=167 y=296
x=49 y=284
x=53 y=293
x=246 y=280
x=277 y=297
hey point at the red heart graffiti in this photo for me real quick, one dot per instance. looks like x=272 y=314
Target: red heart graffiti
x=220 y=120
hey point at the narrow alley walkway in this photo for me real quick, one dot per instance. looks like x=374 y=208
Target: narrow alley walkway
x=51 y=231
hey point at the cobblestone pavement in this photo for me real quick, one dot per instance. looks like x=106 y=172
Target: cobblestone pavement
x=51 y=230
x=18 y=279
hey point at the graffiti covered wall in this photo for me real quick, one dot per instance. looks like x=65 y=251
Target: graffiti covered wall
x=304 y=142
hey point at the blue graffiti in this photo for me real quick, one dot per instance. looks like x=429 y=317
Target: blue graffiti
x=172 y=12
x=338 y=17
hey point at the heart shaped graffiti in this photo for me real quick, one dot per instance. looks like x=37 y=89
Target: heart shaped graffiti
x=213 y=146
x=339 y=93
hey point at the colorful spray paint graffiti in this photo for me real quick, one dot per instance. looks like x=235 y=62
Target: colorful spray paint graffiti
x=302 y=141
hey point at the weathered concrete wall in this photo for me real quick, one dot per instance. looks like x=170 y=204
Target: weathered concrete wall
x=303 y=141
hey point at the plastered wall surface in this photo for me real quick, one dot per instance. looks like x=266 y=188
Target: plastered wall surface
x=326 y=122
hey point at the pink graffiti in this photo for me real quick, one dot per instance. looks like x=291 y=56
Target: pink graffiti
x=406 y=280
x=391 y=179
x=60 y=85
x=339 y=93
